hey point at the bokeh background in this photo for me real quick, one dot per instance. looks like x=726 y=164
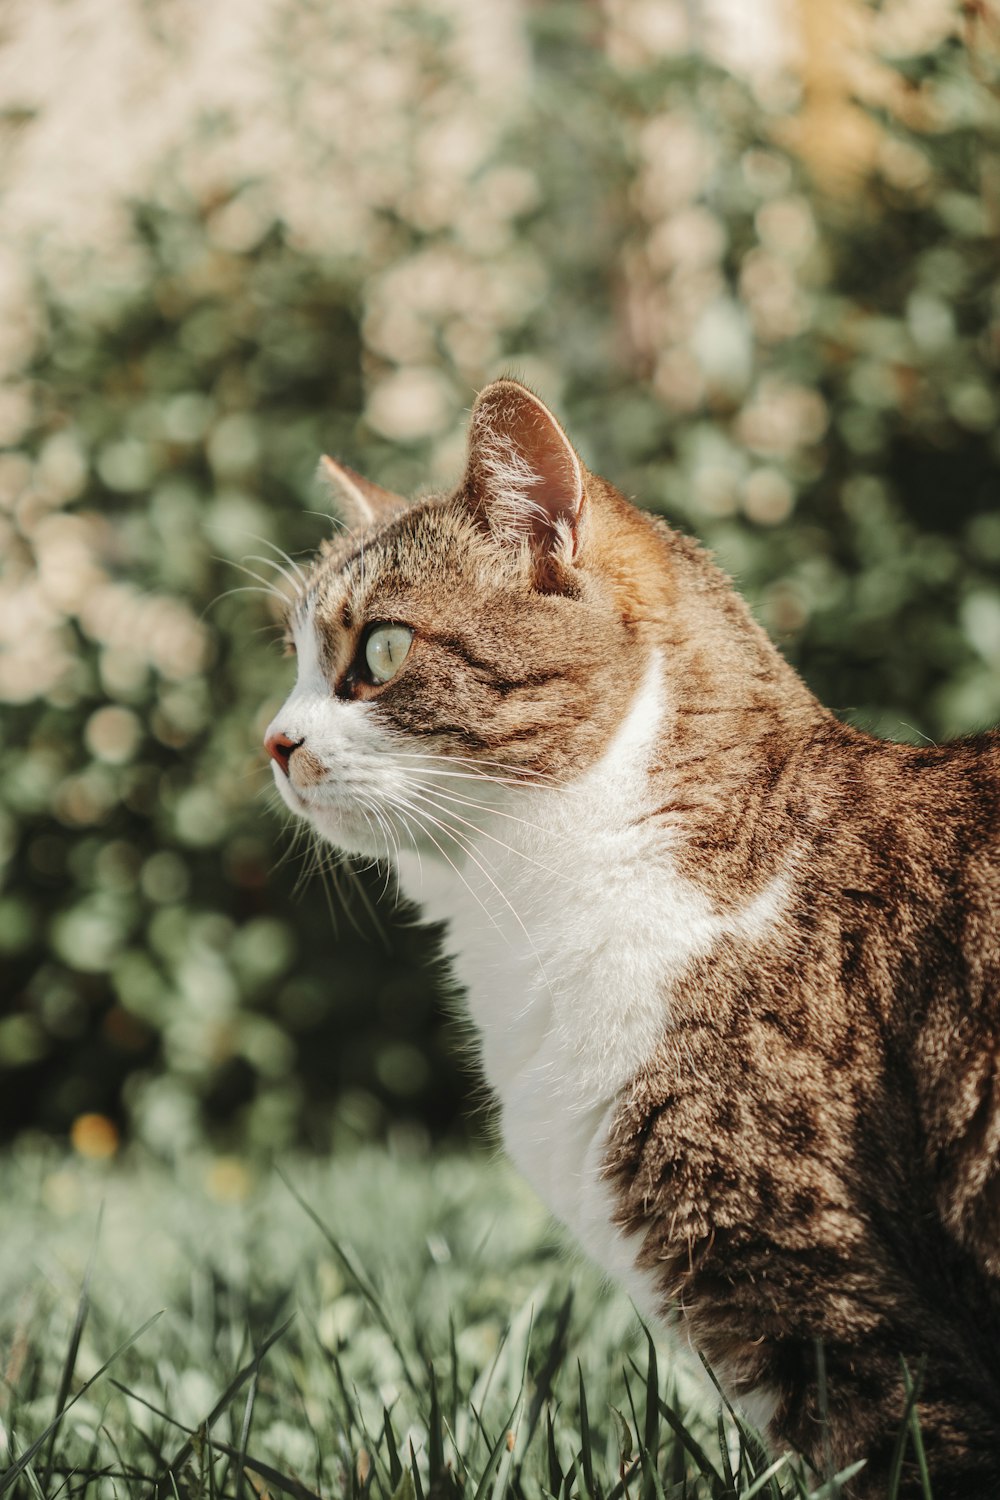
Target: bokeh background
x=749 y=252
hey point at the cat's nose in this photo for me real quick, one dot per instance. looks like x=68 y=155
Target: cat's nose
x=279 y=747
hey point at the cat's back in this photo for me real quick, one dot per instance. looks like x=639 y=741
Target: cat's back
x=920 y=823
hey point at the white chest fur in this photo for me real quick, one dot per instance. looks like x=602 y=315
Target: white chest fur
x=569 y=928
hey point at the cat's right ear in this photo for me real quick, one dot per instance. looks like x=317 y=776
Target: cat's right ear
x=524 y=479
x=359 y=503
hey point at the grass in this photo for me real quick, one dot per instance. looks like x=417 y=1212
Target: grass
x=384 y=1325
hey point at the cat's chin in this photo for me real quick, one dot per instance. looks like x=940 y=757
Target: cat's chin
x=347 y=831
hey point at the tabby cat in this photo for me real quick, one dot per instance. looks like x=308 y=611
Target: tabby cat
x=734 y=966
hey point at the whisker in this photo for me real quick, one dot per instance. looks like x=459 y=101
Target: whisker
x=425 y=797
x=389 y=834
x=471 y=854
x=270 y=562
x=329 y=518
x=447 y=858
x=482 y=770
x=266 y=541
x=520 y=773
x=245 y=588
x=416 y=845
x=265 y=583
x=372 y=910
x=327 y=890
x=483 y=779
x=310 y=862
x=476 y=806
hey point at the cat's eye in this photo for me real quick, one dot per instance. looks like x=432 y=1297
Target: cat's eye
x=386 y=649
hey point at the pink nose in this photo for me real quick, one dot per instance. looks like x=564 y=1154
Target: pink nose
x=279 y=747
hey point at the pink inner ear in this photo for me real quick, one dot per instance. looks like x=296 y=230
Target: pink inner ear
x=558 y=487
x=523 y=468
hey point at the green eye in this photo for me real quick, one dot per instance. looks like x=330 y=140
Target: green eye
x=386 y=650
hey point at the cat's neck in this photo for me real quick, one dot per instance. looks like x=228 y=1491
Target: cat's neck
x=737 y=720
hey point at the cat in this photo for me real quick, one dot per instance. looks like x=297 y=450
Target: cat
x=734 y=966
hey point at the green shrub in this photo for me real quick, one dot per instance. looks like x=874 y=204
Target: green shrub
x=805 y=375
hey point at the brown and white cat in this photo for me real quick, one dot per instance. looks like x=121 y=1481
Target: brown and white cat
x=734 y=966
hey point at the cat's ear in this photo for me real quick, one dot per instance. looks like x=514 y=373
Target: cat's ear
x=359 y=503
x=523 y=478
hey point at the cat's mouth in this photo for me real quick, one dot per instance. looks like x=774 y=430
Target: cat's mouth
x=291 y=795
x=302 y=801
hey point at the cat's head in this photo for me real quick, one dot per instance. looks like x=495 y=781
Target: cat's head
x=491 y=633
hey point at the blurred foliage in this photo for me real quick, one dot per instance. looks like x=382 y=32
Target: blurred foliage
x=763 y=307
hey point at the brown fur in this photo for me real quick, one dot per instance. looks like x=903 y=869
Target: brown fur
x=813 y=1154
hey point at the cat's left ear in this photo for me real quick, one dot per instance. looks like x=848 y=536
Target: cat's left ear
x=523 y=476
x=359 y=503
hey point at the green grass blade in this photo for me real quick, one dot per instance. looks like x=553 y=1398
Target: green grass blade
x=415 y=1475
x=645 y=1460
x=748 y=1437
x=232 y=1390
x=691 y=1445
x=912 y=1389
x=284 y=1482
x=31 y=1478
x=626 y=1445
x=436 y=1474
x=123 y=1465
x=18 y=1468
x=367 y=1291
x=245 y=1434
x=912 y=1392
x=404 y=1487
x=156 y=1410
x=495 y=1452
x=333 y=1359
x=631 y=1404
x=555 y=1358
x=727 y=1467
x=505 y=1470
x=552 y=1454
x=651 y=1426
x=504 y=1440
x=69 y=1364
x=765 y=1478
x=395 y=1467
x=843 y=1476
x=628 y=1473
x=687 y=1439
x=453 y=1362
x=586 y=1451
